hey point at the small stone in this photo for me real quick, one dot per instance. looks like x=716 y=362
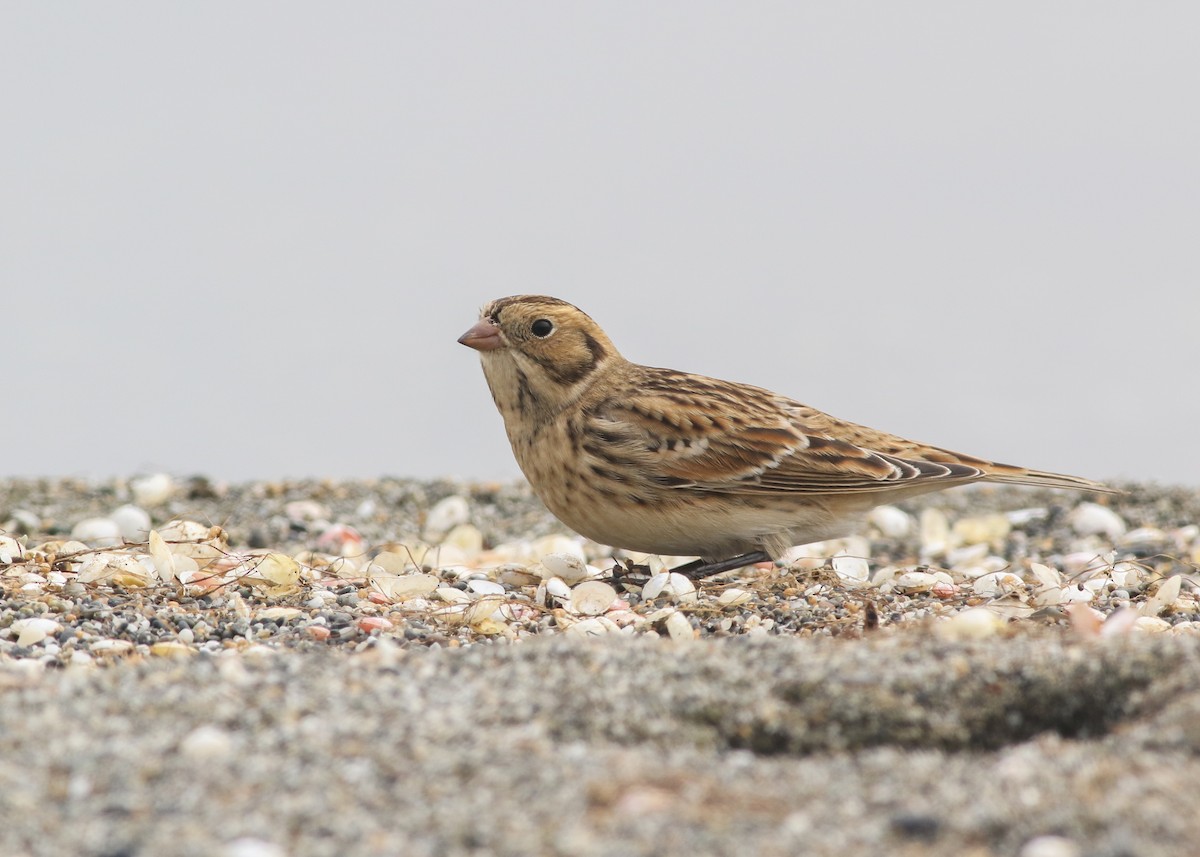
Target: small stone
x=30 y=632
x=1050 y=846
x=133 y=522
x=98 y=532
x=466 y=537
x=977 y=623
x=276 y=614
x=248 y=846
x=983 y=529
x=891 y=522
x=152 y=490
x=915 y=581
x=206 y=742
x=1092 y=519
x=935 y=532
x=445 y=515
x=171 y=649
x=368 y=624
x=305 y=511
x=1151 y=624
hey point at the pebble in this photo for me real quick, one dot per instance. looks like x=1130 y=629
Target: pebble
x=892 y=523
x=976 y=623
x=189 y=587
x=97 y=532
x=1090 y=519
x=206 y=743
x=1050 y=846
x=133 y=522
x=935 y=532
x=446 y=514
x=30 y=632
x=153 y=490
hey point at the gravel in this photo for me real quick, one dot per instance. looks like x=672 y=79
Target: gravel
x=314 y=718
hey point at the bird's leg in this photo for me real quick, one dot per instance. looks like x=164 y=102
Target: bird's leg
x=698 y=568
x=630 y=567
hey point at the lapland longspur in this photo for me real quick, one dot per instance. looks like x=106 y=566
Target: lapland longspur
x=667 y=462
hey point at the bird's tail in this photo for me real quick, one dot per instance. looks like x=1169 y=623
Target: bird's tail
x=1012 y=475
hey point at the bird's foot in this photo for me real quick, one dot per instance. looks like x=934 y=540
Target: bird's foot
x=628 y=568
x=698 y=568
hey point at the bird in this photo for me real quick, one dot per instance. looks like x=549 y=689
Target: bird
x=671 y=463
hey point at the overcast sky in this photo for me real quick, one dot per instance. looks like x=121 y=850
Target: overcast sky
x=241 y=239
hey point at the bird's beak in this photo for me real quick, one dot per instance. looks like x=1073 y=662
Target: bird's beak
x=484 y=336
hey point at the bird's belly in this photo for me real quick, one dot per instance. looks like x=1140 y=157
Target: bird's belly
x=681 y=522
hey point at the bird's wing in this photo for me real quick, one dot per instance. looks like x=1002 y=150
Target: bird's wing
x=687 y=431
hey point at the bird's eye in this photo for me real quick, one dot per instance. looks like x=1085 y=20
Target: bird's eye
x=542 y=328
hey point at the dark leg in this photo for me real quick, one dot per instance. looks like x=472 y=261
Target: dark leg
x=698 y=568
x=629 y=568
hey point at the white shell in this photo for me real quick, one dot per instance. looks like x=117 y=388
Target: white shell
x=485 y=587
x=996 y=583
x=567 y=566
x=278 y=569
x=401 y=587
x=1167 y=592
x=394 y=562
x=595 y=626
x=482 y=609
x=10 y=549
x=733 y=596
x=679 y=627
x=593 y=597
x=852 y=568
x=450 y=595
x=655 y=586
x=685 y=590
x=33 y=631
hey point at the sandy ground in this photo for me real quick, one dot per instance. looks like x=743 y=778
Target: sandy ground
x=817 y=734
x=899 y=743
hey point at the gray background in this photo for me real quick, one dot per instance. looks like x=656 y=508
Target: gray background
x=241 y=239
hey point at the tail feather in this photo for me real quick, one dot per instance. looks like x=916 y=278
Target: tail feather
x=1011 y=475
